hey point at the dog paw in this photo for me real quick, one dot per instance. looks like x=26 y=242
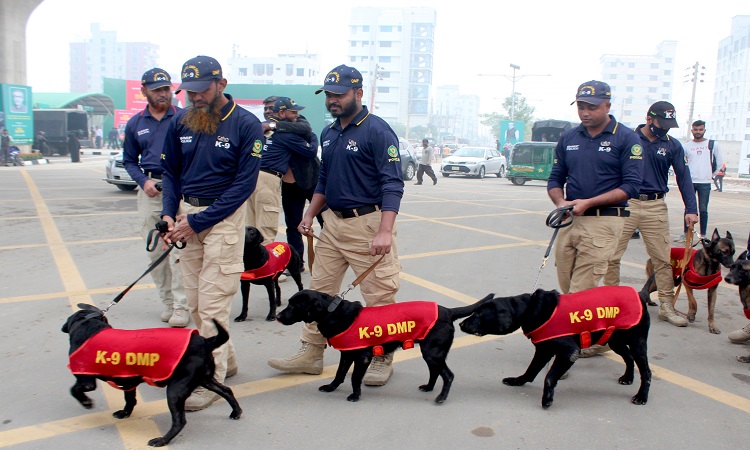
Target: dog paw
x=426 y=388
x=121 y=414
x=240 y=318
x=625 y=380
x=714 y=331
x=639 y=399
x=87 y=403
x=546 y=403
x=270 y=318
x=691 y=318
x=236 y=414
x=518 y=381
x=158 y=442
x=327 y=388
x=353 y=398
x=743 y=359
x=440 y=399
x=652 y=303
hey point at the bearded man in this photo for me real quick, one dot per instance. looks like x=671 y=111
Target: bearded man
x=144 y=139
x=211 y=159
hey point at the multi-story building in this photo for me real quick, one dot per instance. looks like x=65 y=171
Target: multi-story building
x=393 y=48
x=102 y=56
x=281 y=69
x=638 y=81
x=456 y=114
x=730 y=116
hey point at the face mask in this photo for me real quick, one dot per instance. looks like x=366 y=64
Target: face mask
x=658 y=132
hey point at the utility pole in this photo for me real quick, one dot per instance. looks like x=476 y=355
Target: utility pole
x=375 y=78
x=513 y=95
x=696 y=77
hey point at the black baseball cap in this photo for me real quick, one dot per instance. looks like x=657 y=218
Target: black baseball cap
x=156 y=78
x=664 y=111
x=594 y=92
x=341 y=79
x=198 y=73
x=286 y=104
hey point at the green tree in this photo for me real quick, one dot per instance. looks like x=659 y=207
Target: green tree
x=523 y=113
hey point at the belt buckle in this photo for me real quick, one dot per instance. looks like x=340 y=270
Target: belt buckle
x=193 y=202
x=643 y=197
x=338 y=214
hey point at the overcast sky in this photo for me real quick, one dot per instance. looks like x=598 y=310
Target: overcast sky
x=562 y=39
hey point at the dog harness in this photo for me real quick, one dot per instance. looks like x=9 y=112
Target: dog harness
x=607 y=308
x=151 y=353
x=279 y=256
x=404 y=322
x=691 y=278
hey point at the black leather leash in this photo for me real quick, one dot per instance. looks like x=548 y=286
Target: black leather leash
x=152 y=241
x=558 y=218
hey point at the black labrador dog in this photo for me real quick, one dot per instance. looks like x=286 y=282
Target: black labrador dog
x=194 y=368
x=312 y=306
x=263 y=267
x=739 y=275
x=530 y=311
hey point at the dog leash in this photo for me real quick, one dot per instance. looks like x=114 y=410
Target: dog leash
x=685 y=260
x=151 y=243
x=338 y=297
x=310 y=252
x=556 y=219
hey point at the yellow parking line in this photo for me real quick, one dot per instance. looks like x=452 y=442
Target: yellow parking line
x=88 y=292
x=73 y=282
x=57 y=216
x=69 y=243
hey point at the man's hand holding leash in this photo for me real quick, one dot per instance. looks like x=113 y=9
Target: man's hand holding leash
x=691 y=219
x=179 y=231
x=150 y=188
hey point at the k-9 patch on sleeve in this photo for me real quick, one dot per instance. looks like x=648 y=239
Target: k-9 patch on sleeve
x=257 y=148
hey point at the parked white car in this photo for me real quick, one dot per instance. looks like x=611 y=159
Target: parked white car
x=117 y=175
x=474 y=162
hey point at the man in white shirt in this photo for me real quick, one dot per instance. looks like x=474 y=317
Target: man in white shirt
x=699 y=153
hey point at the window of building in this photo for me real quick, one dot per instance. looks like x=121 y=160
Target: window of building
x=365 y=43
x=365 y=28
x=384 y=59
x=669 y=60
x=612 y=76
x=386 y=28
x=627 y=112
x=243 y=71
x=300 y=72
x=747 y=124
x=747 y=137
x=259 y=69
x=631 y=77
x=629 y=89
x=104 y=59
x=666 y=84
x=354 y=43
x=652 y=78
x=269 y=69
x=385 y=43
x=385 y=74
x=613 y=64
x=651 y=90
x=353 y=59
x=289 y=70
x=654 y=65
x=667 y=72
x=383 y=89
x=631 y=65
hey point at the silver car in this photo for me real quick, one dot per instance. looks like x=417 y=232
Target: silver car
x=474 y=162
x=117 y=175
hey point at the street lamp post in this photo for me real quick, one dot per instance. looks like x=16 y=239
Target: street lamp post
x=513 y=95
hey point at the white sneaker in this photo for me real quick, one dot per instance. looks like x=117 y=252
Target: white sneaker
x=201 y=398
x=282 y=278
x=680 y=239
x=740 y=336
x=180 y=318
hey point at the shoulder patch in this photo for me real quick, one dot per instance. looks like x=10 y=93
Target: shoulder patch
x=257 y=147
x=636 y=150
x=392 y=151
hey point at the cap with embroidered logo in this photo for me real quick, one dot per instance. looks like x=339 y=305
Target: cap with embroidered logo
x=341 y=79
x=593 y=92
x=286 y=104
x=198 y=73
x=156 y=78
x=665 y=113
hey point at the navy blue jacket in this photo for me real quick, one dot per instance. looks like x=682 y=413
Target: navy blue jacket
x=144 y=137
x=361 y=164
x=280 y=146
x=587 y=166
x=658 y=156
x=223 y=166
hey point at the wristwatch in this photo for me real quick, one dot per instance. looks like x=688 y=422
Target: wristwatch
x=272 y=126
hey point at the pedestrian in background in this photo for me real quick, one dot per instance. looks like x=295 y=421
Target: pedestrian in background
x=425 y=163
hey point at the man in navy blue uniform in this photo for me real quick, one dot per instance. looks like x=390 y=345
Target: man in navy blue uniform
x=599 y=163
x=264 y=206
x=648 y=210
x=211 y=158
x=360 y=181
x=142 y=148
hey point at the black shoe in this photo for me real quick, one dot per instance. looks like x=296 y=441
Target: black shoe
x=636 y=235
x=418 y=182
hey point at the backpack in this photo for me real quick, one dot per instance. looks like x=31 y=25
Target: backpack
x=713 y=157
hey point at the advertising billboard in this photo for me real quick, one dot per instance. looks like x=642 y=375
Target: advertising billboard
x=511 y=132
x=15 y=113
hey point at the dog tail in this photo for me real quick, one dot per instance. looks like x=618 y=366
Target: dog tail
x=466 y=311
x=220 y=339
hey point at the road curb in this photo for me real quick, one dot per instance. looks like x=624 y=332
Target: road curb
x=100 y=152
x=36 y=162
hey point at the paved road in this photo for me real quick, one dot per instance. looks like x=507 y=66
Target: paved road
x=66 y=237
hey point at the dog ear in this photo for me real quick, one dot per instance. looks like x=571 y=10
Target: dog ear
x=729 y=235
x=715 y=236
x=743 y=255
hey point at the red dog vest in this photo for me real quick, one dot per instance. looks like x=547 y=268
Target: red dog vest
x=691 y=277
x=278 y=258
x=376 y=325
x=151 y=353
x=602 y=308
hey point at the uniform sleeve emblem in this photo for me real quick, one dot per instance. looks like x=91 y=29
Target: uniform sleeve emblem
x=392 y=151
x=636 y=150
x=257 y=147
